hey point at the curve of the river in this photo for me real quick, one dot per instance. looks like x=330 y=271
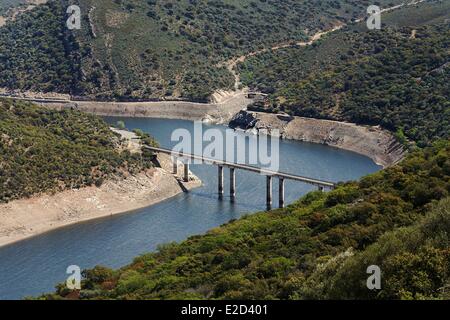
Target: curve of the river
x=36 y=265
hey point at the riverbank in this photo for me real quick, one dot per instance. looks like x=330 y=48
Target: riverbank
x=25 y=218
x=14 y=12
x=378 y=144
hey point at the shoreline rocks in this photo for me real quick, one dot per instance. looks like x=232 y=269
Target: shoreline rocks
x=374 y=142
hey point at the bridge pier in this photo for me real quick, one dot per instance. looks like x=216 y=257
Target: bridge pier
x=175 y=165
x=269 y=192
x=186 y=172
x=232 y=183
x=184 y=158
x=220 y=186
x=281 y=192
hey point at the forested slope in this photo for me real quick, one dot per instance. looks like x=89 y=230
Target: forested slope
x=321 y=246
x=317 y=248
x=39 y=53
x=394 y=77
x=153 y=49
x=5 y=5
x=48 y=151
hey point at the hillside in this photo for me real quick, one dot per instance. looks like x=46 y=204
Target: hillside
x=317 y=248
x=394 y=77
x=49 y=151
x=5 y=5
x=320 y=246
x=154 y=49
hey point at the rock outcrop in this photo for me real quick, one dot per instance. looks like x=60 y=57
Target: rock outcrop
x=244 y=120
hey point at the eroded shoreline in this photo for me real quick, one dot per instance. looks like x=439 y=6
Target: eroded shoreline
x=26 y=218
x=373 y=142
x=222 y=110
x=378 y=144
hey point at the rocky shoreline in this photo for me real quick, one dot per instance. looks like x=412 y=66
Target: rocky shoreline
x=224 y=107
x=25 y=218
x=374 y=142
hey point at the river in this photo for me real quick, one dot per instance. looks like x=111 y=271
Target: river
x=36 y=265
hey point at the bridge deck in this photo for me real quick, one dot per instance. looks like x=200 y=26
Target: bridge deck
x=287 y=176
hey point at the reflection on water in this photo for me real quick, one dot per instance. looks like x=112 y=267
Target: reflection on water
x=35 y=265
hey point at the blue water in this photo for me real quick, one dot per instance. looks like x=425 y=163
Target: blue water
x=36 y=265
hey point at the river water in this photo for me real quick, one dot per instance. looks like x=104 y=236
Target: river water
x=36 y=265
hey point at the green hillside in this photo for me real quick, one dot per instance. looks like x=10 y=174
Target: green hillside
x=39 y=53
x=320 y=246
x=394 y=77
x=49 y=151
x=154 y=49
x=317 y=248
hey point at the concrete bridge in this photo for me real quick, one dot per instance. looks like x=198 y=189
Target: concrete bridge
x=320 y=184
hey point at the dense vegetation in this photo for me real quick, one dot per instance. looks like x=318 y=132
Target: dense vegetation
x=394 y=77
x=134 y=49
x=319 y=247
x=47 y=151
